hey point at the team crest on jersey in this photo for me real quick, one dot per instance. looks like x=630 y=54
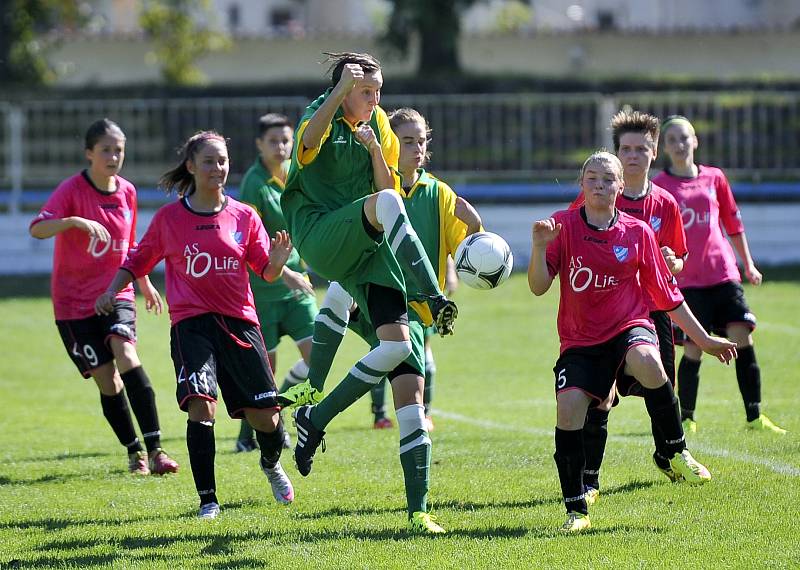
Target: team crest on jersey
x=237 y=236
x=620 y=252
x=712 y=192
x=655 y=223
x=127 y=215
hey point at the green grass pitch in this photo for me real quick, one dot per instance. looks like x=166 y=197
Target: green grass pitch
x=66 y=499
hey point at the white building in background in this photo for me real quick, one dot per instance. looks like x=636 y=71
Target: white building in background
x=260 y=18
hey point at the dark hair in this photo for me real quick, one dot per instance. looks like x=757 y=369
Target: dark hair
x=338 y=59
x=271 y=120
x=98 y=130
x=179 y=178
x=627 y=121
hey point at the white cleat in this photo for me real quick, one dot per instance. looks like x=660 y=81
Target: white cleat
x=282 y=488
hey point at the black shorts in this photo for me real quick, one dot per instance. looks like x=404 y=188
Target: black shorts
x=666 y=348
x=87 y=340
x=212 y=350
x=717 y=307
x=594 y=369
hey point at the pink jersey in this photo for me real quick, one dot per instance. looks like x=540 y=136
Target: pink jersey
x=707 y=205
x=83 y=266
x=605 y=278
x=206 y=258
x=660 y=211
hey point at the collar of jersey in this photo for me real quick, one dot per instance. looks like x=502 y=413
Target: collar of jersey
x=422 y=179
x=611 y=224
x=266 y=175
x=185 y=204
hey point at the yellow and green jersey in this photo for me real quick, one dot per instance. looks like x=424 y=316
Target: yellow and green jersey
x=263 y=192
x=337 y=172
x=430 y=204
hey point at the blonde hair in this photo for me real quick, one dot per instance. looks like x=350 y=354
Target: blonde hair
x=673 y=120
x=605 y=157
x=406 y=115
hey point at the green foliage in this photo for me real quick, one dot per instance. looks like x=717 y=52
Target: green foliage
x=179 y=39
x=66 y=500
x=24 y=40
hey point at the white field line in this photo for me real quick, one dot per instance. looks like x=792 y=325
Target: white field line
x=776 y=466
x=778 y=327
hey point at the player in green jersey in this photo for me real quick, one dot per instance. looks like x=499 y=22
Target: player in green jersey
x=286 y=306
x=441 y=221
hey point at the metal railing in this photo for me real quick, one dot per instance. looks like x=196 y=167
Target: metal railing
x=491 y=137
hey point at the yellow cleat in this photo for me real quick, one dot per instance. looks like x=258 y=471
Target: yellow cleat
x=303 y=394
x=689 y=426
x=591 y=495
x=692 y=471
x=424 y=523
x=576 y=522
x=763 y=423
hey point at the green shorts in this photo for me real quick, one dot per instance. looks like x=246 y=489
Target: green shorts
x=359 y=324
x=337 y=247
x=293 y=317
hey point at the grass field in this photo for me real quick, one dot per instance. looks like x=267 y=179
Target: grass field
x=66 y=499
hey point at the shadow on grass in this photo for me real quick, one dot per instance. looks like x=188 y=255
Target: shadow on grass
x=52 y=478
x=65 y=457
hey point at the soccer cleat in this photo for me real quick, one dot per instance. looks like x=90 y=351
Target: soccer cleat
x=591 y=495
x=763 y=423
x=137 y=463
x=428 y=424
x=424 y=523
x=161 y=463
x=444 y=313
x=308 y=439
x=301 y=394
x=689 y=469
x=208 y=511
x=689 y=425
x=282 y=488
x=666 y=468
x=245 y=445
x=383 y=423
x=576 y=522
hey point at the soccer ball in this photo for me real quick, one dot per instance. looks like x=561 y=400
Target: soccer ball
x=483 y=260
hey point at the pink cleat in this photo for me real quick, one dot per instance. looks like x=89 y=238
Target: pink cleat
x=161 y=463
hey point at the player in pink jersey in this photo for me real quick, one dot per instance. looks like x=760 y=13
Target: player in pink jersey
x=608 y=265
x=635 y=137
x=207 y=241
x=710 y=281
x=93 y=218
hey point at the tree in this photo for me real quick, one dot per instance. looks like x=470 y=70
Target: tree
x=179 y=40
x=24 y=40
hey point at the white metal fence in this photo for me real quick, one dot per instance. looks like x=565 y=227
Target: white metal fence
x=492 y=137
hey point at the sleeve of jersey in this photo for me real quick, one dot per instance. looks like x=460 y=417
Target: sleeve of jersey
x=258 y=246
x=250 y=194
x=390 y=146
x=305 y=156
x=729 y=214
x=56 y=207
x=655 y=276
x=674 y=233
x=134 y=206
x=147 y=253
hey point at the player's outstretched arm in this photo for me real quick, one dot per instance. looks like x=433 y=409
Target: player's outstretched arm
x=739 y=242
x=322 y=117
x=104 y=304
x=722 y=348
x=543 y=232
x=151 y=295
x=281 y=247
x=465 y=212
x=48 y=228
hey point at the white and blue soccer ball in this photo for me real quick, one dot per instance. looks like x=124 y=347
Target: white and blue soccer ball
x=483 y=260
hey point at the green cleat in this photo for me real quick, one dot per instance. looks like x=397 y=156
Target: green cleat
x=576 y=522
x=763 y=423
x=687 y=467
x=591 y=495
x=689 y=425
x=424 y=523
x=302 y=394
